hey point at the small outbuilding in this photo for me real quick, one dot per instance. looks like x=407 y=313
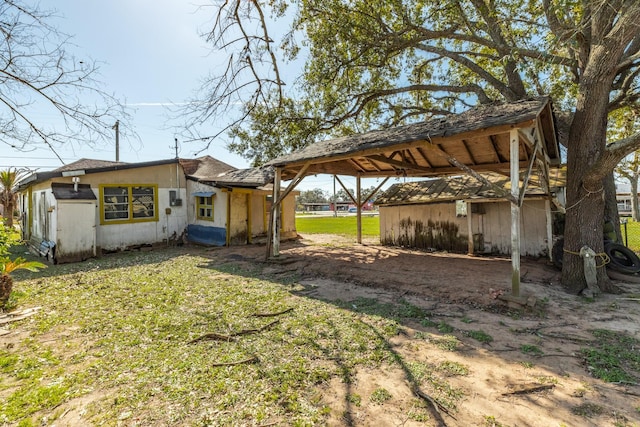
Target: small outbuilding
x=462 y=214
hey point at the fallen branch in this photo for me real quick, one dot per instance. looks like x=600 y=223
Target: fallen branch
x=273 y=314
x=619 y=390
x=530 y=389
x=254 y=331
x=435 y=407
x=252 y=359
x=18 y=315
x=213 y=336
x=221 y=337
x=575 y=339
x=536 y=330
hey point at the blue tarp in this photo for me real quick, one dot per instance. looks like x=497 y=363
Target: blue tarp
x=215 y=236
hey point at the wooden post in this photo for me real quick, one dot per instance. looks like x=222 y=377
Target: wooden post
x=470 y=228
x=275 y=214
x=547 y=211
x=514 y=154
x=359 y=209
x=228 y=237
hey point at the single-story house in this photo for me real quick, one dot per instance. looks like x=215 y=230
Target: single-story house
x=91 y=206
x=462 y=214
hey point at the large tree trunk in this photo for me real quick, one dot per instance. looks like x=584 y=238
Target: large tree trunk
x=634 y=197
x=611 y=205
x=585 y=195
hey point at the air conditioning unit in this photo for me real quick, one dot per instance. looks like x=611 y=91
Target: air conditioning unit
x=175 y=202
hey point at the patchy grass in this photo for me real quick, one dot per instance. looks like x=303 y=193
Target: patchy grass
x=379 y=396
x=531 y=349
x=613 y=357
x=123 y=328
x=341 y=225
x=401 y=311
x=480 y=336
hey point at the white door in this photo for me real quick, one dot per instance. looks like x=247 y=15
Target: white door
x=76 y=230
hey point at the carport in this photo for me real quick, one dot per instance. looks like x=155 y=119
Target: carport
x=516 y=139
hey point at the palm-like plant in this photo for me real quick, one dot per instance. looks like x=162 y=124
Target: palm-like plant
x=8 y=266
x=8 y=180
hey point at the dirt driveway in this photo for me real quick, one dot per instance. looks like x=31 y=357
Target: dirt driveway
x=530 y=372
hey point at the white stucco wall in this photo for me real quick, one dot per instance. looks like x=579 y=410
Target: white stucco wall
x=120 y=236
x=219 y=205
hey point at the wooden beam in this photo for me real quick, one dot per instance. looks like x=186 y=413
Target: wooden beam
x=373 y=164
x=275 y=213
x=294 y=182
x=466 y=147
x=346 y=190
x=527 y=175
x=359 y=210
x=499 y=190
x=514 y=144
x=424 y=156
x=470 y=247
x=547 y=211
x=357 y=165
x=479 y=133
x=393 y=170
x=397 y=163
x=370 y=195
x=496 y=148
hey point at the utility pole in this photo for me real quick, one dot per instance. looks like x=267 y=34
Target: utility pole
x=176 y=147
x=117 y=128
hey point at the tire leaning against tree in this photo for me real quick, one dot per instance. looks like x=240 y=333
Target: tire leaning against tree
x=621 y=258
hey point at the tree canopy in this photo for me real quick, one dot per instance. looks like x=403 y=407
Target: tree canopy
x=380 y=63
x=316 y=195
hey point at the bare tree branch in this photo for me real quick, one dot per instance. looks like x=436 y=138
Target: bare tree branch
x=37 y=72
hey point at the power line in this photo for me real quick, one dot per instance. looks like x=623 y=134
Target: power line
x=27 y=166
x=35 y=158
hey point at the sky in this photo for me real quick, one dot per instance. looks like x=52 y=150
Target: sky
x=151 y=55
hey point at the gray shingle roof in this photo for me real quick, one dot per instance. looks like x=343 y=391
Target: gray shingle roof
x=447 y=189
x=252 y=177
x=484 y=116
x=84 y=164
x=205 y=168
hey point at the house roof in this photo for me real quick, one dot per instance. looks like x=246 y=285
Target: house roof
x=478 y=138
x=455 y=188
x=252 y=177
x=64 y=191
x=214 y=172
x=85 y=167
x=84 y=164
x=204 y=168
